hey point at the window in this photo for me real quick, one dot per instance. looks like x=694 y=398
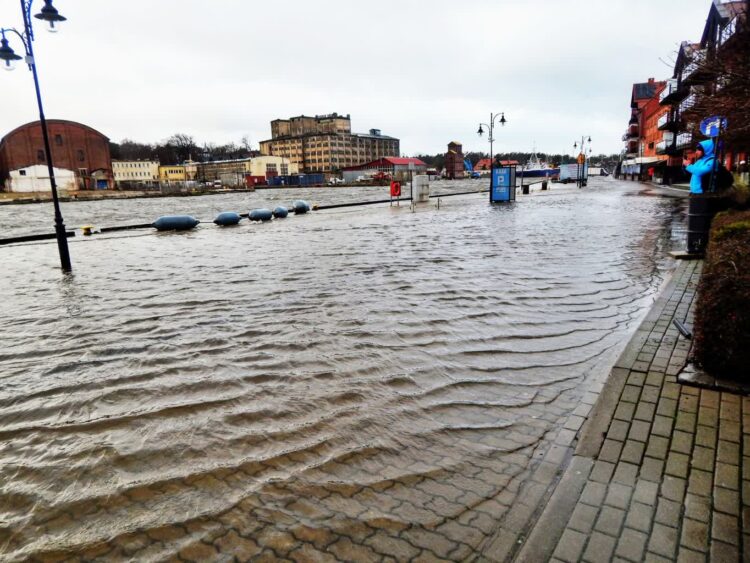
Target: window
x=40 y=155
x=58 y=140
x=22 y=172
x=81 y=156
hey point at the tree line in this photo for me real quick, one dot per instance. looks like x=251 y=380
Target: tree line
x=180 y=147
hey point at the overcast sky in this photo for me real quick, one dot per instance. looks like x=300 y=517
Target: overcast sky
x=425 y=71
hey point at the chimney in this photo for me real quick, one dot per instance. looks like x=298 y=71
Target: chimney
x=650 y=80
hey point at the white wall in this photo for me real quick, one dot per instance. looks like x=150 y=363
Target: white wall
x=36 y=179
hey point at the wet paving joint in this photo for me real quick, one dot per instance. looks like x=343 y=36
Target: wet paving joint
x=667 y=480
x=400 y=387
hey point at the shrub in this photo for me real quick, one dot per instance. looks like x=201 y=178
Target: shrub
x=722 y=313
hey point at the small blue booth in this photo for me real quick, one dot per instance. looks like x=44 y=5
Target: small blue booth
x=503 y=184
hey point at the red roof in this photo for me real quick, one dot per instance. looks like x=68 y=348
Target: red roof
x=402 y=161
x=385 y=161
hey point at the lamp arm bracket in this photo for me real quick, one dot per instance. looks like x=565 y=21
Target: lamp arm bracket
x=21 y=36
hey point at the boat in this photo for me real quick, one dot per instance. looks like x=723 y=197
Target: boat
x=535 y=168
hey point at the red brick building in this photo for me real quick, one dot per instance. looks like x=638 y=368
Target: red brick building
x=454 y=161
x=643 y=135
x=76 y=148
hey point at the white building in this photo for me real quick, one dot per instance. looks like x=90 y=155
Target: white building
x=135 y=171
x=36 y=179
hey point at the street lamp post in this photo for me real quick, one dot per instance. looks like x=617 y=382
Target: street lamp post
x=8 y=57
x=491 y=138
x=581 y=165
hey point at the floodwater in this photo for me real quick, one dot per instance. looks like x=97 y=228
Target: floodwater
x=358 y=384
x=24 y=219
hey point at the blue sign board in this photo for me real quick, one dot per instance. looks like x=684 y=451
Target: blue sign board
x=713 y=126
x=502 y=180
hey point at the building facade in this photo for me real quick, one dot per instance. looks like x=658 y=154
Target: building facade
x=235 y=172
x=642 y=135
x=454 y=161
x=135 y=172
x=325 y=143
x=76 y=148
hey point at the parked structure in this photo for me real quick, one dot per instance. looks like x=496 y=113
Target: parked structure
x=80 y=153
x=325 y=143
x=135 y=172
x=454 y=161
x=397 y=168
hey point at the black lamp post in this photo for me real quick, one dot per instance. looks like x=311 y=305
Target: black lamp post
x=8 y=57
x=581 y=165
x=491 y=132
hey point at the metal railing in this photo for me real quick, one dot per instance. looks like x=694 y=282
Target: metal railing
x=691 y=68
x=728 y=31
x=670 y=89
x=688 y=103
x=684 y=140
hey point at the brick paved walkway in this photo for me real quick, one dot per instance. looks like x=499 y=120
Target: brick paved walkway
x=661 y=471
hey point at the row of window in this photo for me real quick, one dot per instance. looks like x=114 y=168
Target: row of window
x=132 y=165
x=133 y=174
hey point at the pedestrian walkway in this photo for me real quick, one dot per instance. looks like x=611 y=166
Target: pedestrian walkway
x=661 y=471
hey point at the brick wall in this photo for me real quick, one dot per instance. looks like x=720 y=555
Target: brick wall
x=75 y=147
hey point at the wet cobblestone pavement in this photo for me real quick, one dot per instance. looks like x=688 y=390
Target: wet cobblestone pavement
x=669 y=479
x=355 y=386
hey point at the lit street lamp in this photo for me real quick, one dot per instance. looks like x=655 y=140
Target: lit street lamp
x=581 y=159
x=491 y=138
x=8 y=57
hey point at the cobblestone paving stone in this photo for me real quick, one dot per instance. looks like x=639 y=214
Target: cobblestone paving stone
x=672 y=478
x=438 y=509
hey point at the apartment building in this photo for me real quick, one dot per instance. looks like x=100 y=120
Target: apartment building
x=695 y=77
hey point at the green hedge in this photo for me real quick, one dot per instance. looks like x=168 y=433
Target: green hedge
x=722 y=314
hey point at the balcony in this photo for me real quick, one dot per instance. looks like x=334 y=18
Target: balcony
x=694 y=71
x=632 y=132
x=664 y=121
x=687 y=103
x=684 y=140
x=672 y=93
x=728 y=31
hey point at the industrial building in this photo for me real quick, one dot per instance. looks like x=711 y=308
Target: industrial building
x=236 y=172
x=80 y=155
x=325 y=143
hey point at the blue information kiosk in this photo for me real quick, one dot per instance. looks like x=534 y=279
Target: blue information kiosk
x=503 y=184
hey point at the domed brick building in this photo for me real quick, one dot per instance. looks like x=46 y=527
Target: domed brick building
x=80 y=156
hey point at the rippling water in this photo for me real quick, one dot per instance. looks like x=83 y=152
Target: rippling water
x=352 y=384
